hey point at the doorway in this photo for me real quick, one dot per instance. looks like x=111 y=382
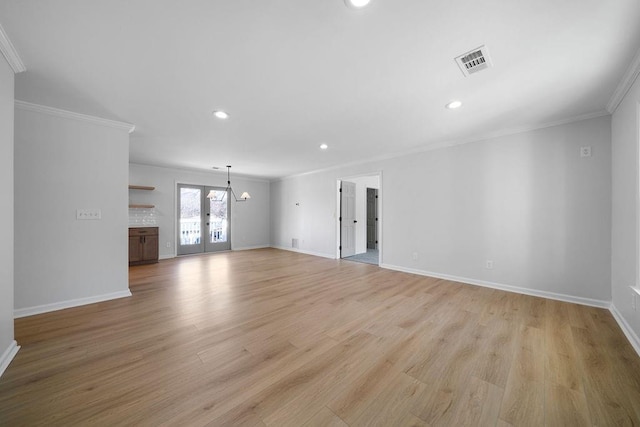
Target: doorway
x=372 y=218
x=204 y=219
x=359 y=221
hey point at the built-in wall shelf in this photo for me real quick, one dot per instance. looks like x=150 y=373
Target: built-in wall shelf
x=141 y=205
x=141 y=187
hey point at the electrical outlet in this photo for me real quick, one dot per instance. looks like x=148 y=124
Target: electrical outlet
x=88 y=214
x=585 y=151
x=168 y=244
x=414 y=256
x=489 y=265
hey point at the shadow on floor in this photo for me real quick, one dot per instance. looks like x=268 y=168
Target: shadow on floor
x=370 y=257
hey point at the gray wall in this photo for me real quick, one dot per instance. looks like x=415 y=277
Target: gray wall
x=624 y=256
x=527 y=202
x=249 y=220
x=6 y=213
x=61 y=165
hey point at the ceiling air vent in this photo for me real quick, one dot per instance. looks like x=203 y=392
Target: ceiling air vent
x=474 y=61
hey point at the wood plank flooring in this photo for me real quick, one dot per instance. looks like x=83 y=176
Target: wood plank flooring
x=270 y=337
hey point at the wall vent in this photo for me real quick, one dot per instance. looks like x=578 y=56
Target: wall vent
x=473 y=61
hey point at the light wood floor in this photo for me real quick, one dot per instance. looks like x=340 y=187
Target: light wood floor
x=270 y=337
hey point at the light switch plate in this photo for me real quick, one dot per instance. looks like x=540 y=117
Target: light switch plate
x=88 y=214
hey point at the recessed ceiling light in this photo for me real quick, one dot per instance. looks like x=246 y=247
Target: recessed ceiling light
x=357 y=4
x=221 y=114
x=453 y=105
x=323 y=146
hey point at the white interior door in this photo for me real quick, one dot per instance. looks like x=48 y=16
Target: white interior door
x=347 y=219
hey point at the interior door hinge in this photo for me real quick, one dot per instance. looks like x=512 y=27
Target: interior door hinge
x=341 y=189
x=340 y=247
x=340 y=219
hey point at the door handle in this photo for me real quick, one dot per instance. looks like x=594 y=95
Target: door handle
x=207 y=223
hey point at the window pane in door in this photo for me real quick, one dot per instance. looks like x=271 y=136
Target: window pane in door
x=190 y=216
x=218 y=218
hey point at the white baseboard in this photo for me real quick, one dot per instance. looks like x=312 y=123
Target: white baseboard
x=39 y=309
x=8 y=356
x=302 y=251
x=626 y=328
x=508 y=288
x=249 y=248
x=242 y=248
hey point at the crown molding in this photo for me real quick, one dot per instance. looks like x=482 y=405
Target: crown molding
x=222 y=173
x=625 y=84
x=518 y=130
x=28 y=106
x=450 y=143
x=10 y=53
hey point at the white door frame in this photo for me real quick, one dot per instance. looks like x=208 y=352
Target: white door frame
x=380 y=211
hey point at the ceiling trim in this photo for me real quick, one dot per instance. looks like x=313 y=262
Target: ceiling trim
x=10 y=53
x=205 y=172
x=625 y=84
x=453 y=143
x=28 y=106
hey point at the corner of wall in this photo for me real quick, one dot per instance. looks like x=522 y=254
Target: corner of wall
x=8 y=356
x=626 y=328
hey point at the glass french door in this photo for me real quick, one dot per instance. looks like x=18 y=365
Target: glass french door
x=204 y=219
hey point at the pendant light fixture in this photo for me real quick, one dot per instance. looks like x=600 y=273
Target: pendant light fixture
x=243 y=197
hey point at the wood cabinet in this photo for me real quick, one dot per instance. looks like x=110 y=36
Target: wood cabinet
x=143 y=245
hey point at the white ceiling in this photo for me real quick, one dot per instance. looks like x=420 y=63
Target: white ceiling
x=295 y=73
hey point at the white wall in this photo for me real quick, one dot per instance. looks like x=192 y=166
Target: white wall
x=624 y=255
x=61 y=165
x=362 y=183
x=249 y=220
x=6 y=213
x=528 y=202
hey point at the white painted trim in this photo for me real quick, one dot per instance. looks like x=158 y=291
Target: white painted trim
x=39 y=309
x=10 y=53
x=28 y=106
x=8 y=356
x=626 y=329
x=302 y=251
x=508 y=288
x=250 y=248
x=452 y=143
x=220 y=173
x=625 y=84
x=637 y=196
